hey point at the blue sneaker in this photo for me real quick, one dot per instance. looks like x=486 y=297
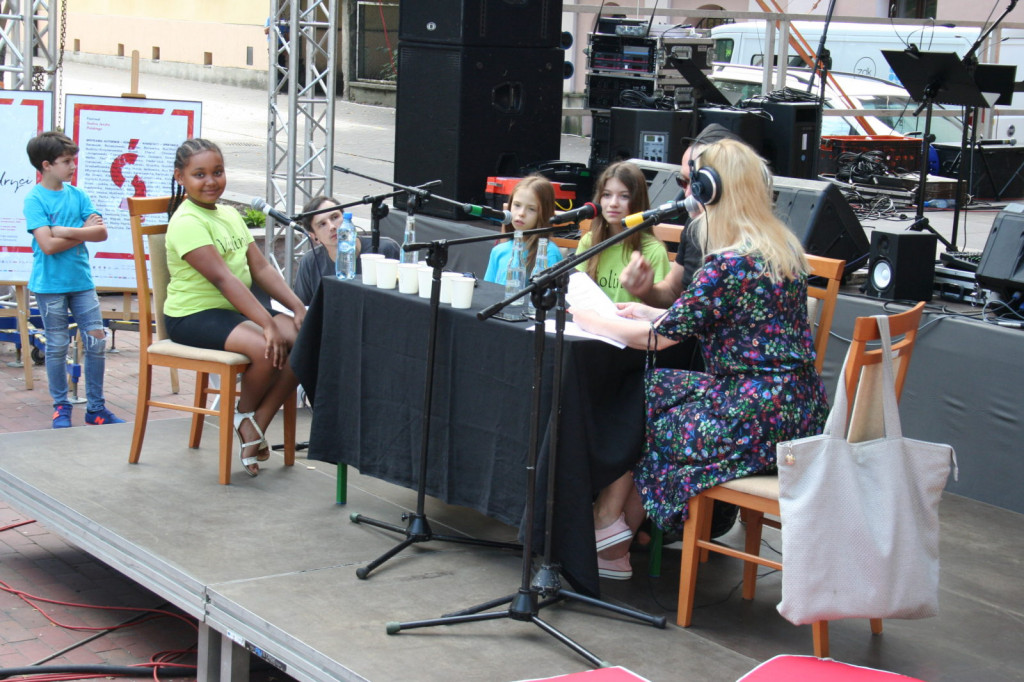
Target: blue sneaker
x=62 y=417
x=103 y=416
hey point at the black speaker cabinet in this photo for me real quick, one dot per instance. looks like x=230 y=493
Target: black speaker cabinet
x=1002 y=262
x=490 y=23
x=821 y=218
x=600 y=142
x=993 y=172
x=466 y=113
x=790 y=137
x=902 y=266
x=746 y=125
x=651 y=134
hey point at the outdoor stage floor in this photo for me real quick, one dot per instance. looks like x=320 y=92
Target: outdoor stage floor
x=273 y=561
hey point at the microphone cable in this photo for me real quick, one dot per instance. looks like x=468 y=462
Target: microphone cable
x=636 y=99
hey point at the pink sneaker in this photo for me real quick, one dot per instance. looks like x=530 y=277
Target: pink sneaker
x=615 y=569
x=615 y=534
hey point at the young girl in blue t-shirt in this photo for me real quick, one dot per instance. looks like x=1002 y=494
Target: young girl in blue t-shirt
x=532 y=203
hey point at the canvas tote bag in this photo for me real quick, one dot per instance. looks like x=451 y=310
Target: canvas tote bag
x=860 y=520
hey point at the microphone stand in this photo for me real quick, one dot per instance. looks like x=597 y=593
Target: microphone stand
x=547 y=290
x=418 y=528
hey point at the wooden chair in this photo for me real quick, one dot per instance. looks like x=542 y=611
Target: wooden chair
x=821 y=307
x=758 y=496
x=165 y=353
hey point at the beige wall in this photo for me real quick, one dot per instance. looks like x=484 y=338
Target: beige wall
x=183 y=30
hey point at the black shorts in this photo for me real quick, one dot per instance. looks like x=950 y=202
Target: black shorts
x=205 y=329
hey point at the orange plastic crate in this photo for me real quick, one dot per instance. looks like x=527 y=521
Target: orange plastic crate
x=900 y=154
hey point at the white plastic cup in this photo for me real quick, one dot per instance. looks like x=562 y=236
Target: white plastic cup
x=408 y=278
x=446 y=285
x=462 y=291
x=425 y=275
x=387 y=273
x=368 y=264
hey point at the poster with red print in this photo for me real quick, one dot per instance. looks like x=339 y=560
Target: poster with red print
x=23 y=115
x=127 y=148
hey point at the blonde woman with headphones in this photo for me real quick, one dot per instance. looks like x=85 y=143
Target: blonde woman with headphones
x=747 y=306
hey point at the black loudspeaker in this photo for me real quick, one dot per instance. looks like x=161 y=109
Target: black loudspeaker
x=1002 y=262
x=821 y=218
x=489 y=23
x=902 y=265
x=746 y=125
x=466 y=113
x=791 y=138
x=650 y=134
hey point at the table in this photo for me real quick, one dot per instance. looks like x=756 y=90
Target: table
x=361 y=358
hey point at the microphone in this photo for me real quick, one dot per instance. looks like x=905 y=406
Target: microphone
x=584 y=212
x=670 y=209
x=261 y=205
x=488 y=213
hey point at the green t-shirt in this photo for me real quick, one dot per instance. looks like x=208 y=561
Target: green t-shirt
x=613 y=260
x=190 y=227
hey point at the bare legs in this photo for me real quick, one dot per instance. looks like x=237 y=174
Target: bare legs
x=264 y=387
x=620 y=497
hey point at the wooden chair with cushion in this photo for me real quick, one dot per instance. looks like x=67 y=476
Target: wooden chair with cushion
x=758 y=496
x=165 y=353
x=822 y=295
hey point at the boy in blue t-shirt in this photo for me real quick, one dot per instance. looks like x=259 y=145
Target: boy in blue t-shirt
x=61 y=219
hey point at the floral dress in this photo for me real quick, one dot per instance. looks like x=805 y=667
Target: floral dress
x=760 y=387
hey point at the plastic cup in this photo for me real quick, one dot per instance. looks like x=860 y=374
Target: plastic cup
x=368 y=264
x=462 y=291
x=446 y=285
x=387 y=273
x=408 y=278
x=425 y=275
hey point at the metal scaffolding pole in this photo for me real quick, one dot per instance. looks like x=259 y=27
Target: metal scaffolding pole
x=28 y=45
x=300 y=130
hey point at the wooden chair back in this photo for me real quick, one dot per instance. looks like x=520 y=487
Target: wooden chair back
x=152 y=288
x=821 y=304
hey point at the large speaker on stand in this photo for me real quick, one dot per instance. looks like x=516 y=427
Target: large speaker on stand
x=491 y=23
x=465 y=113
x=791 y=137
x=902 y=266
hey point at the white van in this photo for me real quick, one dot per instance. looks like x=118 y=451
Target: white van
x=857 y=49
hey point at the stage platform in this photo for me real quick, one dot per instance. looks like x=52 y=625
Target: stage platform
x=269 y=564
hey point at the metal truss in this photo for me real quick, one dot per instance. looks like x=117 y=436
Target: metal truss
x=28 y=45
x=300 y=129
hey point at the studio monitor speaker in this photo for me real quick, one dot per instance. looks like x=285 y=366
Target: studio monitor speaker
x=466 y=113
x=902 y=265
x=821 y=218
x=491 y=23
x=1002 y=262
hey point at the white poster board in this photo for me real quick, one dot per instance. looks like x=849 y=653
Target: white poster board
x=23 y=115
x=127 y=150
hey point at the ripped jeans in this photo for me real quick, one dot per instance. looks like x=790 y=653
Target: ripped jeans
x=85 y=307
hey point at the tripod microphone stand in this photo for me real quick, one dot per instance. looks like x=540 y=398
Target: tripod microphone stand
x=418 y=528
x=544 y=588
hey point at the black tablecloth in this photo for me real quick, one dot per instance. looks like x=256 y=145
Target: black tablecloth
x=361 y=356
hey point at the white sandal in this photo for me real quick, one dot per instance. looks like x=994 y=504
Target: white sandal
x=253 y=460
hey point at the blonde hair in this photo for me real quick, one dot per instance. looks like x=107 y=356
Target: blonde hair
x=630 y=175
x=545 y=193
x=742 y=219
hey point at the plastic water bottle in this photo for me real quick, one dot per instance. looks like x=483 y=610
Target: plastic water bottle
x=345 y=264
x=539 y=266
x=409 y=238
x=940 y=203
x=515 y=276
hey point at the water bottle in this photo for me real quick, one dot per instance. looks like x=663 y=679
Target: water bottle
x=515 y=276
x=539 y=266
x=345 y=264
x=940 y=203
x=409 y=238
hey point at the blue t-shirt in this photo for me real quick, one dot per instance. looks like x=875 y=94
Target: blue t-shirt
x=67 y=271
x=501 y=254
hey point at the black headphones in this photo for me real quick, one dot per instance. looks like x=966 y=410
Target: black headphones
x=705 y=184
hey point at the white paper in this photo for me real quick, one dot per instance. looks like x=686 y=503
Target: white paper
x=585 y=294
x=573 y=329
